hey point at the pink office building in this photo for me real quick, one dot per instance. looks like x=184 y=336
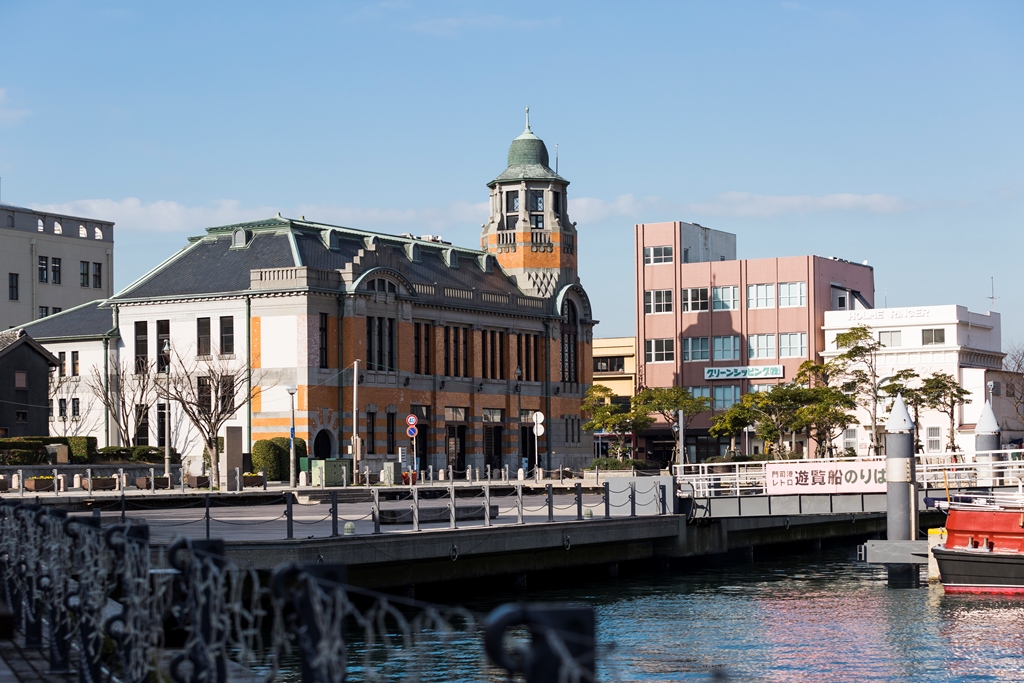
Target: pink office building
x=722 y=326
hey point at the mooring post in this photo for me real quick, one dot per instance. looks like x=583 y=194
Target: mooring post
x=607 y=502
x=664 y=501
x=901 y=491
x=334 y=513
x=206 y=516
x=551 y=503
x=519 y=503
x=632 y=499
x=415 y=508
x=487 y=500
x=579 y=501
x=289 y=497
x=452 y=524
x=375 y=510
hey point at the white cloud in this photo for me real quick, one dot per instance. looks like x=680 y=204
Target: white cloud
x=592 y=210
x=8 y=115
x=134 y=215
x=747 y=204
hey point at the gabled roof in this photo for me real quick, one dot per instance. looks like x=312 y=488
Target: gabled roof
x=88 y=321
x=12 y=339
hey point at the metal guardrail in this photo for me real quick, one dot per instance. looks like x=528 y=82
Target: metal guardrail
x=981 y=469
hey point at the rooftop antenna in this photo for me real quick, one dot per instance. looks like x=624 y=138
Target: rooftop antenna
x=556 y=157
x=992 y=297
x=528 y=117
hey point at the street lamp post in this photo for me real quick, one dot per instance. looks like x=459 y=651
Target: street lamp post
x=167 y=411
x=519 y=413
x=291 y=440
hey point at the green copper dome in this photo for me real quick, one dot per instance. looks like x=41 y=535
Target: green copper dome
x=528 y=159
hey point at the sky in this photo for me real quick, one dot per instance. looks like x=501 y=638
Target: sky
x=871 y=131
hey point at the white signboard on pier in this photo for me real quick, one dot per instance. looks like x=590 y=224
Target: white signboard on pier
x=789 y=478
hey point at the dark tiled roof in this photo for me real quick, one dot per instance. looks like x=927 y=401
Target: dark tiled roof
x=210 y=266
x=8 y=337
x=15 y=337
x=88 y=320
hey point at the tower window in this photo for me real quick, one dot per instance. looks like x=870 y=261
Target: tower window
x=512 y=201
x=537 y=221
x=535 y=201
x=556 y=202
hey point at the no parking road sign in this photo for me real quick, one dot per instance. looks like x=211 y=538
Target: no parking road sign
x=412 y=431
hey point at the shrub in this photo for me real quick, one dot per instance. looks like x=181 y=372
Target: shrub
x=300 y=452
x=15 y=456
x=147 y=454
x=118 y=453
x=37 y=448
x=268 y=455
x=82 y=447
x=616 y=464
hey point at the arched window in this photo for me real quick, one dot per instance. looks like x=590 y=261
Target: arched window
x=97 y=233
x=570 y=336
x=57 y=230
x=382 y=285
x=82 y=232
x=39 y=225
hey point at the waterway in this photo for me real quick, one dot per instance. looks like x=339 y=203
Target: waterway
x=819 y=617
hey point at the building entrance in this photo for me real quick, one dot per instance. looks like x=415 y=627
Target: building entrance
x=455 y=447
x=322 y=445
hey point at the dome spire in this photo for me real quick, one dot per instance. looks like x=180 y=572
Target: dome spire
x=527 y=120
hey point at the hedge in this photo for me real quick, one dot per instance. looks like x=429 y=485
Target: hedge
x=267 y=455
x=115 y=453
x=81 y=447
x=21 y=444
x=616 y=464
x=16 y=456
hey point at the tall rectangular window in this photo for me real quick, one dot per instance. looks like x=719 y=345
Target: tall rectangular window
x=203 y=336
x=935 y=336
x=75 y=408
x=371 y=432
x=227 y=335
x=62 y=408
x=699 y=392
x=535 y=200
x=83 y=273
x=727 y=347
x=653 y=255
x=934 y=440
x=725 y=298
x=792 y=294
x=696 y=348
x=97 y=275
x=694 y=299
x=323 y=340
x=761 y=296
x=12 y=286
x=726 y=396
x=141 y=425
x=850 y=439
x=422 y=348
x=62 y=357
x=659 y=350
x=204 y=395
x=141 y=346
x=44 y=269
x=74 y=363
x=890 y=338
x=163 y=356
x=760 y=346
x=512 y=201
x=391 y=433
x=44 y=311
x=55 y=270
x=792 y=344
x=556 y=202
x=658 y=301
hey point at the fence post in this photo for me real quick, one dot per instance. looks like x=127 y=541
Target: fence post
x=238 y=480
x=487 y=500
x=415 y=508
x=504 y=474
x=288 y=513
x=579 y=501
x=597 y=475
x=551 y=504
x=56 y=484
x=334 y=513
x=21 y=482
x=519 y=502
x=451 y=473
x=182 y=470
x=632 y=499
x=120 y=482
x=607 y=501
x=88 y=479
x=206 y=516
x=561 y=475
x=430 y=473
x=152 y=480
x=375 y=510
x=344 y=477
x=664 y=502
x=263 y=473
x=488 y=468
x=452 y=523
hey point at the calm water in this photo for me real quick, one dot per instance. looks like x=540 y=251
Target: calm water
x=820 y=617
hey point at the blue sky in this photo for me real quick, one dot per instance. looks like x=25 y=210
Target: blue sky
x=878 y=131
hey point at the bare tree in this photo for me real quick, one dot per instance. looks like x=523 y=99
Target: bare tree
x=73 y=414
x=209 y=392
x=1013 y=377
x=860 y=357
x=126 y=394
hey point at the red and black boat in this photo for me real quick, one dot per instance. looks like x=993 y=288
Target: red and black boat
x=984 y=547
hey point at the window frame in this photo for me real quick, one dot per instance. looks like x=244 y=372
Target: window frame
x=690 y=304
x=657 y=301
x=667 y=350
x=755 y=300
x=802 y=344
x=928 y=336
x=754 y=347
x=653 y=257
x=703 y=347
x=718 y=350
x=720 y=303
x=801 y=295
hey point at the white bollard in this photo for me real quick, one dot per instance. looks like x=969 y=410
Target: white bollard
x=61 y=482
x=303 y=478
x=522 y=474
x=76 y=481
x=440 y=475
x=15 y=482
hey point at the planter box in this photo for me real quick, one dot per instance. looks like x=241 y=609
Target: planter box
x=102 y=484
x=39 y=484
x=161 y=482
x=5 y=485
x=252 y=480
x=198 y=482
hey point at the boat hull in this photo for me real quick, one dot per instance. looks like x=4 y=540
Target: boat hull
x=972 y=571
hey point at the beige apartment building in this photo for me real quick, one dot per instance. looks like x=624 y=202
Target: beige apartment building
x=615 y=368
x=722 y=326
x=52 y=262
